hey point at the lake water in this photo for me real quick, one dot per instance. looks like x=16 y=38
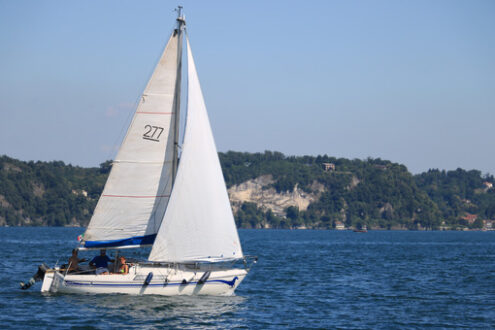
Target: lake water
x=304 y=279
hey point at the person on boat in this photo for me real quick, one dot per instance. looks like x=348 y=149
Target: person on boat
x=123 y=268
x=101 y=263
x=74 y=261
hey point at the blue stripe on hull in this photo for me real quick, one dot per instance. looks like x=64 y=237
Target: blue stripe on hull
x=229 y=283
x=136 y=240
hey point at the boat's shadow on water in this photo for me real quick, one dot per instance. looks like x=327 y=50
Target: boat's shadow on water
x=150 y=310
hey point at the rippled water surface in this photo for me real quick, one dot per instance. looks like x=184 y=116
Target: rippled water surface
x=305 y=279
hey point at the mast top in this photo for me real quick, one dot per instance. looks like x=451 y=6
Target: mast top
x=181 y=19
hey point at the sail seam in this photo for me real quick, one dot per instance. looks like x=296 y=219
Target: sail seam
x=157 y=94
x=140 y=162
x=154 y=113
x=129 y=196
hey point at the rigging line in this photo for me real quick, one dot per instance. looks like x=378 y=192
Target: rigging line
x=158 y=218
x=154 y=214
x=112 y=152
x=186 y=111
x=157 y=221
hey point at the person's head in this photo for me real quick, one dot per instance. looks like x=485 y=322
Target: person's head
x=103 y=252
x=122 y=259
x=74 y=252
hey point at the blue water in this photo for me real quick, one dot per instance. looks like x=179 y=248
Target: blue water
x=304 y=279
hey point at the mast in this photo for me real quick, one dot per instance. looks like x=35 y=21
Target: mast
x=181 y=23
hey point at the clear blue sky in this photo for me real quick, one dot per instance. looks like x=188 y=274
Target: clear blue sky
x=408 y=81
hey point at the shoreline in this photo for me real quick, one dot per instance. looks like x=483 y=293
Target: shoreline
x=322 y=229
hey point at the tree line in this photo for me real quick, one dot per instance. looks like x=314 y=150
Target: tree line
x=371 y=192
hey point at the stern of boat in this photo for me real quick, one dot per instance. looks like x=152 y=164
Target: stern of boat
x=52 y=281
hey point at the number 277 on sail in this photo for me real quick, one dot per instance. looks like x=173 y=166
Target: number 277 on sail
x=152 y=133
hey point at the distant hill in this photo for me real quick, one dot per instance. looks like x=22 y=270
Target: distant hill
x=271 y=190
x=48 y=193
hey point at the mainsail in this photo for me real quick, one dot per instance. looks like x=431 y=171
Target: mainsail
x=133 y=202
x=198 y=223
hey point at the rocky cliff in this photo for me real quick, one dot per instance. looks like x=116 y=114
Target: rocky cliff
x=260 y=192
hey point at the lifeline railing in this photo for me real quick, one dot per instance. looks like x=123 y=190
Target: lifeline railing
x=247 y=261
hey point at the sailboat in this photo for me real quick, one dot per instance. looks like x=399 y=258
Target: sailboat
x=166 y=195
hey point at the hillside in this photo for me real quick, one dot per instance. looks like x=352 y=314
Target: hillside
x=48 y=193
x=271 y=190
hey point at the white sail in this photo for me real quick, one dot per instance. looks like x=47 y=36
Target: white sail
x=198 y=222
x=137 y=191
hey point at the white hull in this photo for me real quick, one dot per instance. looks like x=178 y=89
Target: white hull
x=166 y=280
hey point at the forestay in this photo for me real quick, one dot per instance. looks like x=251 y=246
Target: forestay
x=198 y=223
x=137 y=192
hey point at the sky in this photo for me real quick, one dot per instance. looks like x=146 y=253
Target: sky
x=408 y=81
